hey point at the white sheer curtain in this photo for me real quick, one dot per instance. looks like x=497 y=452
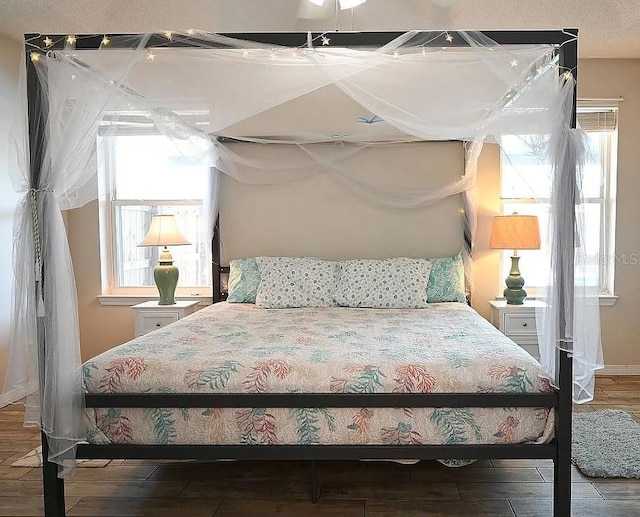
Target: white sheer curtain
x=73 y=100
x=470 y=93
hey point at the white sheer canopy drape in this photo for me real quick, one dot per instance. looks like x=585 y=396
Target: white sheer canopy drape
x=410 y=89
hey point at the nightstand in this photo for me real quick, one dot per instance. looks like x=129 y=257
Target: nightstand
x=518 y=322
x=151 y=316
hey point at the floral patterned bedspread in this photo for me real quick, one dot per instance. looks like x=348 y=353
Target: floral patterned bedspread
x=237 y=348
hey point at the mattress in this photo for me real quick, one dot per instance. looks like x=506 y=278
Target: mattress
x=237 y=348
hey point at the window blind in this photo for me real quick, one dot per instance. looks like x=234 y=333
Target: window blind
x=593 y=119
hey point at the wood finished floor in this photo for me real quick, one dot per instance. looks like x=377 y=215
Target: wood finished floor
x=488 y=488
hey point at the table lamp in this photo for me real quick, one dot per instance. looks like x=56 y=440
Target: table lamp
x=515 y=232
x=164 y=232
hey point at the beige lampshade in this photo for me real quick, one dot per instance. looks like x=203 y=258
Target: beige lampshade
x=164 y=232
x=515 y=232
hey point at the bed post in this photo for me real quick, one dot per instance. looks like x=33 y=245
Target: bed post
x=564 y=360
x=53 y=486
x=315 y=492
x=215 y=263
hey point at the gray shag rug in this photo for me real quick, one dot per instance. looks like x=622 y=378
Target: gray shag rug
x=606 y=444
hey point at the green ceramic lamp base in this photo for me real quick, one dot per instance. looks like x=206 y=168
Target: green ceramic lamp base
x=514 y=293
x=166 y=277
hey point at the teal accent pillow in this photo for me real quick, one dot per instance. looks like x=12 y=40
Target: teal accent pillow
x=446 y=280
x=244 y=280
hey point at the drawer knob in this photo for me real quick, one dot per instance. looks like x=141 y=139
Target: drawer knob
x=158 y=324
x=524 y=324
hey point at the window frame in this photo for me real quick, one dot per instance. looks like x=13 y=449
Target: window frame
x=111 y=292
x=607 y=210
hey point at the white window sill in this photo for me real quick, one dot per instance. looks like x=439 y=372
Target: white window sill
x=128 y=300
x=606 y=300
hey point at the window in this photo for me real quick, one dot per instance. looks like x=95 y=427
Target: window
x=525 y=187
x=144 y=175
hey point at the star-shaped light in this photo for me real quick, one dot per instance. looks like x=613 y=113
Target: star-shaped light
x=245 y=53
x=35 y=57
x=567 y=75
x=539 y=70
x=325 y=41
x=48 y=41
x=191 y=32
x=513 y=63
x=150 y=55
x=168 y=35
x=105 y=41
x=396 y=54
x=71 y=39
x=448 y=37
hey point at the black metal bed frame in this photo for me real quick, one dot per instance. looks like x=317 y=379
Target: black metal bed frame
x=559 y=449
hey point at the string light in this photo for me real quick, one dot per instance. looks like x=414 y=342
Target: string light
x=567 y=75
x=71 y=39
x=514 y=63
x=245 y=53
x=48 y=41
x=105 y=41
x=35 y=57
x=325 y=41
x=168 y=35
x=539 y=70
x=150 y=55
x=448 y=37
x=191 y=32
x=396 y=54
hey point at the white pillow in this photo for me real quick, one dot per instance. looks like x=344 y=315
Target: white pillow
x=398 y=283
x=288 y=282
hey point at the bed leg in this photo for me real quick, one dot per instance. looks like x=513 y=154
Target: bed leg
x=315 y=492
x=562 y=462
x=52 y=484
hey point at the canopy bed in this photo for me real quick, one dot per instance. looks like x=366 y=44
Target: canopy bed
x=498 y=83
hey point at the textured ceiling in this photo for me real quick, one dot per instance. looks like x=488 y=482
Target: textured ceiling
x=608 y=28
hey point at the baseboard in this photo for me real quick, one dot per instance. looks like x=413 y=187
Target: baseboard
x=620 y=369
x=15 y=395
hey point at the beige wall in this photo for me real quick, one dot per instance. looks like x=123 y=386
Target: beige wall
x=10 y=52
x=486 y=262
x=103 y=327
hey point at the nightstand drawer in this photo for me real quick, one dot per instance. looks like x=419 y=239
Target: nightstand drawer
x=520 y=324
x=152 y=321
x=152 y=316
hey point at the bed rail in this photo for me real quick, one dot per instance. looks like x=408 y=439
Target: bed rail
x=332 y=400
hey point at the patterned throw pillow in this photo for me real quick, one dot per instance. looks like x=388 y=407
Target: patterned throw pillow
x=244 y=280
x=295 y=282
x=446 y=281
x=398 y=283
